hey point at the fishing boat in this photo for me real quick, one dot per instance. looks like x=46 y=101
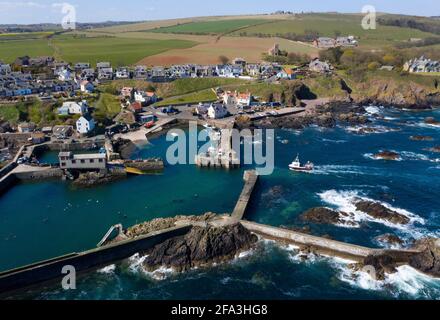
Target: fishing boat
x=296 y=166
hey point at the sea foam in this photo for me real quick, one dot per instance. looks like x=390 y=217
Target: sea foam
x=345 y=201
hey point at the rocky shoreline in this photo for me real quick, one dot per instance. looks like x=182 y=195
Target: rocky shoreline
x=202 y=246
x=376 y=210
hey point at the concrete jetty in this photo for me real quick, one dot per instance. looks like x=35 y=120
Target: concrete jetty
x=250 y=178
x=323 y=245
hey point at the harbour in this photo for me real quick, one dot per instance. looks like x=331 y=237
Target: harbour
x=305 y=189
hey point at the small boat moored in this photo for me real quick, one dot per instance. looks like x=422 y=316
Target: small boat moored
x=296 y=166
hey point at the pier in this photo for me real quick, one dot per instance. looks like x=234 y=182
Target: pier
x=250 y=178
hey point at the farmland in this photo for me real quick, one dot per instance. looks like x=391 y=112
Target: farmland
x=11 y=49
x=212 y=27
x=332 y=25
x=119 y=51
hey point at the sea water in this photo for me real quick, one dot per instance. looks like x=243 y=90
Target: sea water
x=47 y=219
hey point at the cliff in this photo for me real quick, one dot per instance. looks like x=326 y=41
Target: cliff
x=386 y=88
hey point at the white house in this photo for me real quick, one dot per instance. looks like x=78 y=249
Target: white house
x=5 y=68
x=122 y=73
x=217 y=111
x=318 y=66
x=85 y=124
x=65 y=75
x=145 y=97
x=73 y=107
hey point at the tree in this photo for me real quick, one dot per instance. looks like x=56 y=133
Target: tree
x=373 y=65
x=223 y=59
x=283 y=98
x=333 y=55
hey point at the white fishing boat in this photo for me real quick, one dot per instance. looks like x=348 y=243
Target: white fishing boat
x=296 y=166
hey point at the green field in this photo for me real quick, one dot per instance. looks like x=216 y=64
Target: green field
x=212 y=27
x=332 y=24
x=10 y=50
x=196 y=97
x=119 y=51
x=9 y=113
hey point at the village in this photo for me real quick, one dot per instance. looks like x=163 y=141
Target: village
x=74 y=88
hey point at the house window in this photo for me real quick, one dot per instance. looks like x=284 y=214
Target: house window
x=73 y=161
x=92 y=160
x=63 y=164
x=83 y=161
x=101 y=161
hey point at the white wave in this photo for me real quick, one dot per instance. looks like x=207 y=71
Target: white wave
x=408 y=155
x=136 y=262
x=425 y=125
x=364 y=130
x=345 y=201
x=373 y=110
x=406 y=281
x=344 y=169
x=334 y=141
x=245 y=254
x=136 y=266
x=108 y=270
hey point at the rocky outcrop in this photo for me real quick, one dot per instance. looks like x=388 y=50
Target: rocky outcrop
x=379 y=211
x=432 y=121
x=435 y=149
x=124 y=147
x=421 y=138
x=425 y=258
x=390 y=239
x=387 y=155
x=164 y=223
x=353 y=118
x=321 y=215
x=91 y=179
x=400 y=94
x=428 y=260
x=200 y=247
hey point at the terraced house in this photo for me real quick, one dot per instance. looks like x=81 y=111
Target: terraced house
x=421 y=64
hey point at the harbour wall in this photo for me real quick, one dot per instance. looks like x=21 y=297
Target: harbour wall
x=322 y=245
x=49 y=173
x=326 y=246
x=51 y=270
x=62 y=146
x=7 y=182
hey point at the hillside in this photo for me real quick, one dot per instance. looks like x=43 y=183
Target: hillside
x=204 y=39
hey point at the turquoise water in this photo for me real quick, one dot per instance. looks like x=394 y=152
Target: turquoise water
x=38 y=221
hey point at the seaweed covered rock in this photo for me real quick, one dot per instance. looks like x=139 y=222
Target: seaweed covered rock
x=201 y=246
x=428 y=260
x=387 y=155
x=379 y=211
x=321 y=215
